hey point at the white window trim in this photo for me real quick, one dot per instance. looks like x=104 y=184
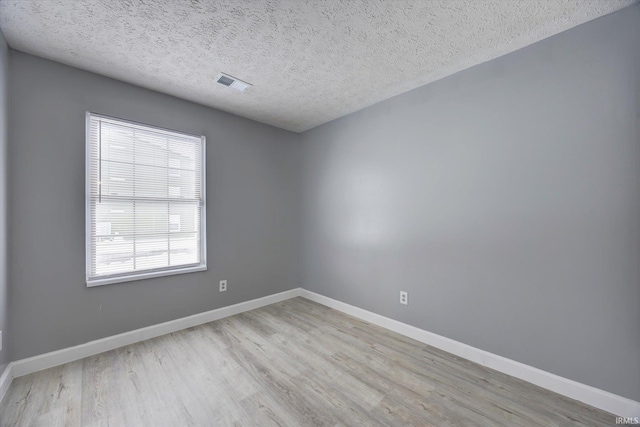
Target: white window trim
x=169 y=271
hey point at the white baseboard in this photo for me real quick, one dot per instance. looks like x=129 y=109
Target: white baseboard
x=5 y=380
x=66 y=355
x=601 y=399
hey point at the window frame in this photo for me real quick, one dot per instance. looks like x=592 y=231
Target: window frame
x=148 y=274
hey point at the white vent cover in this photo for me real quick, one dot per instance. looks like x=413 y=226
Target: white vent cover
x=232 y=82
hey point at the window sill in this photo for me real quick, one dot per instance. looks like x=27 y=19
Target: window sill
x=146 y=275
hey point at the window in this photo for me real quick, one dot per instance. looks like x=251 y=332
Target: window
x=145 y=213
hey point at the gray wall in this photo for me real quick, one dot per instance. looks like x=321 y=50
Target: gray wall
x=504 y=199
x=252 y=211
x=4 y=113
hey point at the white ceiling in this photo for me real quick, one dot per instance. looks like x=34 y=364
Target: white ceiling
x=309 y=61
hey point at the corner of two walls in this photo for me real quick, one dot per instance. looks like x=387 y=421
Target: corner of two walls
x=504 y=199
x=4 y=135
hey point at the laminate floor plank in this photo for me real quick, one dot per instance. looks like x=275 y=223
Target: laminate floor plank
x=415 y=376
x=263 y=409
x=284 y=386
x=294 y=363
x=39 y=400
x=373 y=340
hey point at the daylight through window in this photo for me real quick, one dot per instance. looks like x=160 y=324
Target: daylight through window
x=145 y=201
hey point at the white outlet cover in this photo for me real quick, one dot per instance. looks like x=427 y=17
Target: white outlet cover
x=404 y=297
x=223 y=285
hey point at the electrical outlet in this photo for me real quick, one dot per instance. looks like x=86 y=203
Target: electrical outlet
x=404 y=297
x=223 y=285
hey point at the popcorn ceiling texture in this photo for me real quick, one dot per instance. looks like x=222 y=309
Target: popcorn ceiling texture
x=309 y=61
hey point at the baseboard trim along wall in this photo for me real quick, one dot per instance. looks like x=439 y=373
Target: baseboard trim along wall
x=5 y=380
x=29 y=365
x=601 y=399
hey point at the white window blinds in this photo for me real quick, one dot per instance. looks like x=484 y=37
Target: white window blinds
x=145 y=201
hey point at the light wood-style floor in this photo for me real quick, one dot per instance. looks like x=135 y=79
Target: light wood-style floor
x=295 y=363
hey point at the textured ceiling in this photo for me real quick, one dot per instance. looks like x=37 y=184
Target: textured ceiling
x=309 y=61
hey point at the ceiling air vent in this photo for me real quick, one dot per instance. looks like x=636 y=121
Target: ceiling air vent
x=232 y=82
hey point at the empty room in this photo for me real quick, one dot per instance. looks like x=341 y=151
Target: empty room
x=319 y=213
